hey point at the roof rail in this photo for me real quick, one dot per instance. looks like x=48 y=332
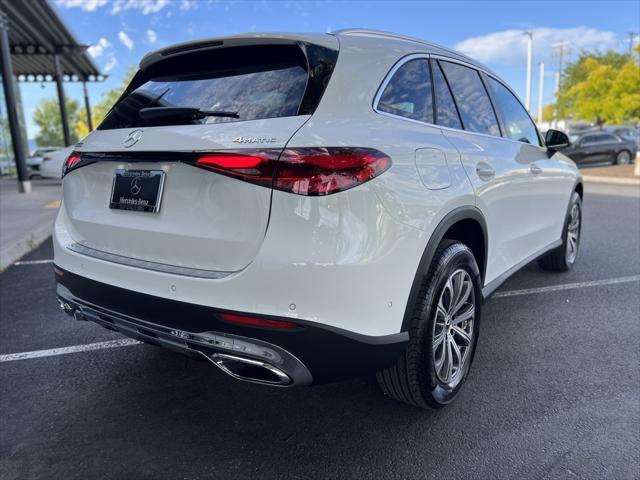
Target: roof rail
x=382 y=33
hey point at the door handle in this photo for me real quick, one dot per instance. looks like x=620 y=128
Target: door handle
x=535 y=169
x=485 y=171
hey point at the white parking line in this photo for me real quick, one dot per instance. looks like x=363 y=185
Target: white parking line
x=125 y=342
x=567 y=286
x=33 y=262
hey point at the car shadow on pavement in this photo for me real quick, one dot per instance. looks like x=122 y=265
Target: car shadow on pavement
x=189 y=410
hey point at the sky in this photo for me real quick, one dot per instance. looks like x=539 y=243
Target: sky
x=121 y=32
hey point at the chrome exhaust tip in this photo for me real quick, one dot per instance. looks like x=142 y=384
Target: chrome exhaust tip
x=251 y=370
x=65 y=306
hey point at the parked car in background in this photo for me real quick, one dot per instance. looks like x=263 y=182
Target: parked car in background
x=35 y=160
x=626 y=133
x=5 y=166
x=600 y=147
x=52 y=163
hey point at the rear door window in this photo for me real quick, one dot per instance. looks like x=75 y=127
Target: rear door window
x=517 y=122
x=446 y=112
x=608 y=138
x=408 y=94
x=257 y=82
x=471 y=98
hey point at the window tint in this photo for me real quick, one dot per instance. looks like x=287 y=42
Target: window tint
x=519 y=125
x=607 y=138
x=471 y=98
x=264 y=81
x=627 y=134
x=446 y=113
x=408 y=93
x=599 y=138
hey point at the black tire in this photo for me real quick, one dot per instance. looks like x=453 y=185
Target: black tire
x=623 y=157
x=413 y=379
x=558 y=259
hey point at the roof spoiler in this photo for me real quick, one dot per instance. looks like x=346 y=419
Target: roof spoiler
x=325 y=40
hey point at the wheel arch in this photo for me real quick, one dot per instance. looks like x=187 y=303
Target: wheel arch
x=464 y=224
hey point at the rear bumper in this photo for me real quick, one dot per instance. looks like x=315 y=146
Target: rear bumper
x=313 y=353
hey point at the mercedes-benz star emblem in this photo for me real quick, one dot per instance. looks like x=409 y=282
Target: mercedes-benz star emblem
x=135 y=186
x=133 y=138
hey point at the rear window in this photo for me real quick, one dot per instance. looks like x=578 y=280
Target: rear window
x=408 y=94
x=256 y=82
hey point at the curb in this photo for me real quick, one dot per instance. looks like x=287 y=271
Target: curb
x=28 y=243
x=613 y=180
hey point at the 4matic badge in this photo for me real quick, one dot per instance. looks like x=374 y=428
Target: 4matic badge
x=254 y=140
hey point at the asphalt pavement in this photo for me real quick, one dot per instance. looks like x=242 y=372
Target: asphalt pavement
x=554 y=391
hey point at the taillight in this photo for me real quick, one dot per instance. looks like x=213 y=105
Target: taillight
x=323 y=171
x=303 y=171
x=257 y=321
x=256 y=167
x=72 y=161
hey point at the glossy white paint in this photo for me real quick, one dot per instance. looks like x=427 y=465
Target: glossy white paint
x=433 y=169
x=347 y=260
x=524 y=211
x=206 y=221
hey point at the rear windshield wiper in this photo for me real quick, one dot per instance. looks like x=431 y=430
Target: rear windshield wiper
x=155 y=113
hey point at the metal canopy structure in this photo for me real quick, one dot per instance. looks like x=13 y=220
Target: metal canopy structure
x=36 y=33
x=36 y=46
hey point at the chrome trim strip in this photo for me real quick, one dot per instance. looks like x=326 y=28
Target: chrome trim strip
x=147 y=265
x=493 y=285
x=389 y=76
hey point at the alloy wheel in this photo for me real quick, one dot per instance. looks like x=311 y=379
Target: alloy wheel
x=573 y=234
x=453 y=328
x=624 y=158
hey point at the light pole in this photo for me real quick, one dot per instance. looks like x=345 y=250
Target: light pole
x=540 y=93
x=559 y=54
x=529 y=69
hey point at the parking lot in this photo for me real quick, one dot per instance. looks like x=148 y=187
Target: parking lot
x=554 y=391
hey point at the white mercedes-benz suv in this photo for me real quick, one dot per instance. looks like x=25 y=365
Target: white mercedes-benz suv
x=299 y=209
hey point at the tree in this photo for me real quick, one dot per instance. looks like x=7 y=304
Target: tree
x=100 y=109
x=548 y=112
x=601 y=88
x=47 y=117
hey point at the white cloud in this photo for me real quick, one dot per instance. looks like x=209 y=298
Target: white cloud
x=144 y=6
x=110 y=64
x=125 y=40
x=99 y=48
x=509 y=46
x=86 y=5
x=152 y=36
x=186 y=5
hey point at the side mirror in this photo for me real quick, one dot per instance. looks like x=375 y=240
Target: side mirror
x=556 y=140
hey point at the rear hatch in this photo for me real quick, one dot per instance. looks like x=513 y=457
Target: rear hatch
x=137 y=193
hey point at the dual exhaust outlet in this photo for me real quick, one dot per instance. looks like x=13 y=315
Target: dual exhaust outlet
x=250 y=370
x=241 y=368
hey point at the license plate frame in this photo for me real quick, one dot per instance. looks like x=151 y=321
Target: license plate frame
x=137 y=190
